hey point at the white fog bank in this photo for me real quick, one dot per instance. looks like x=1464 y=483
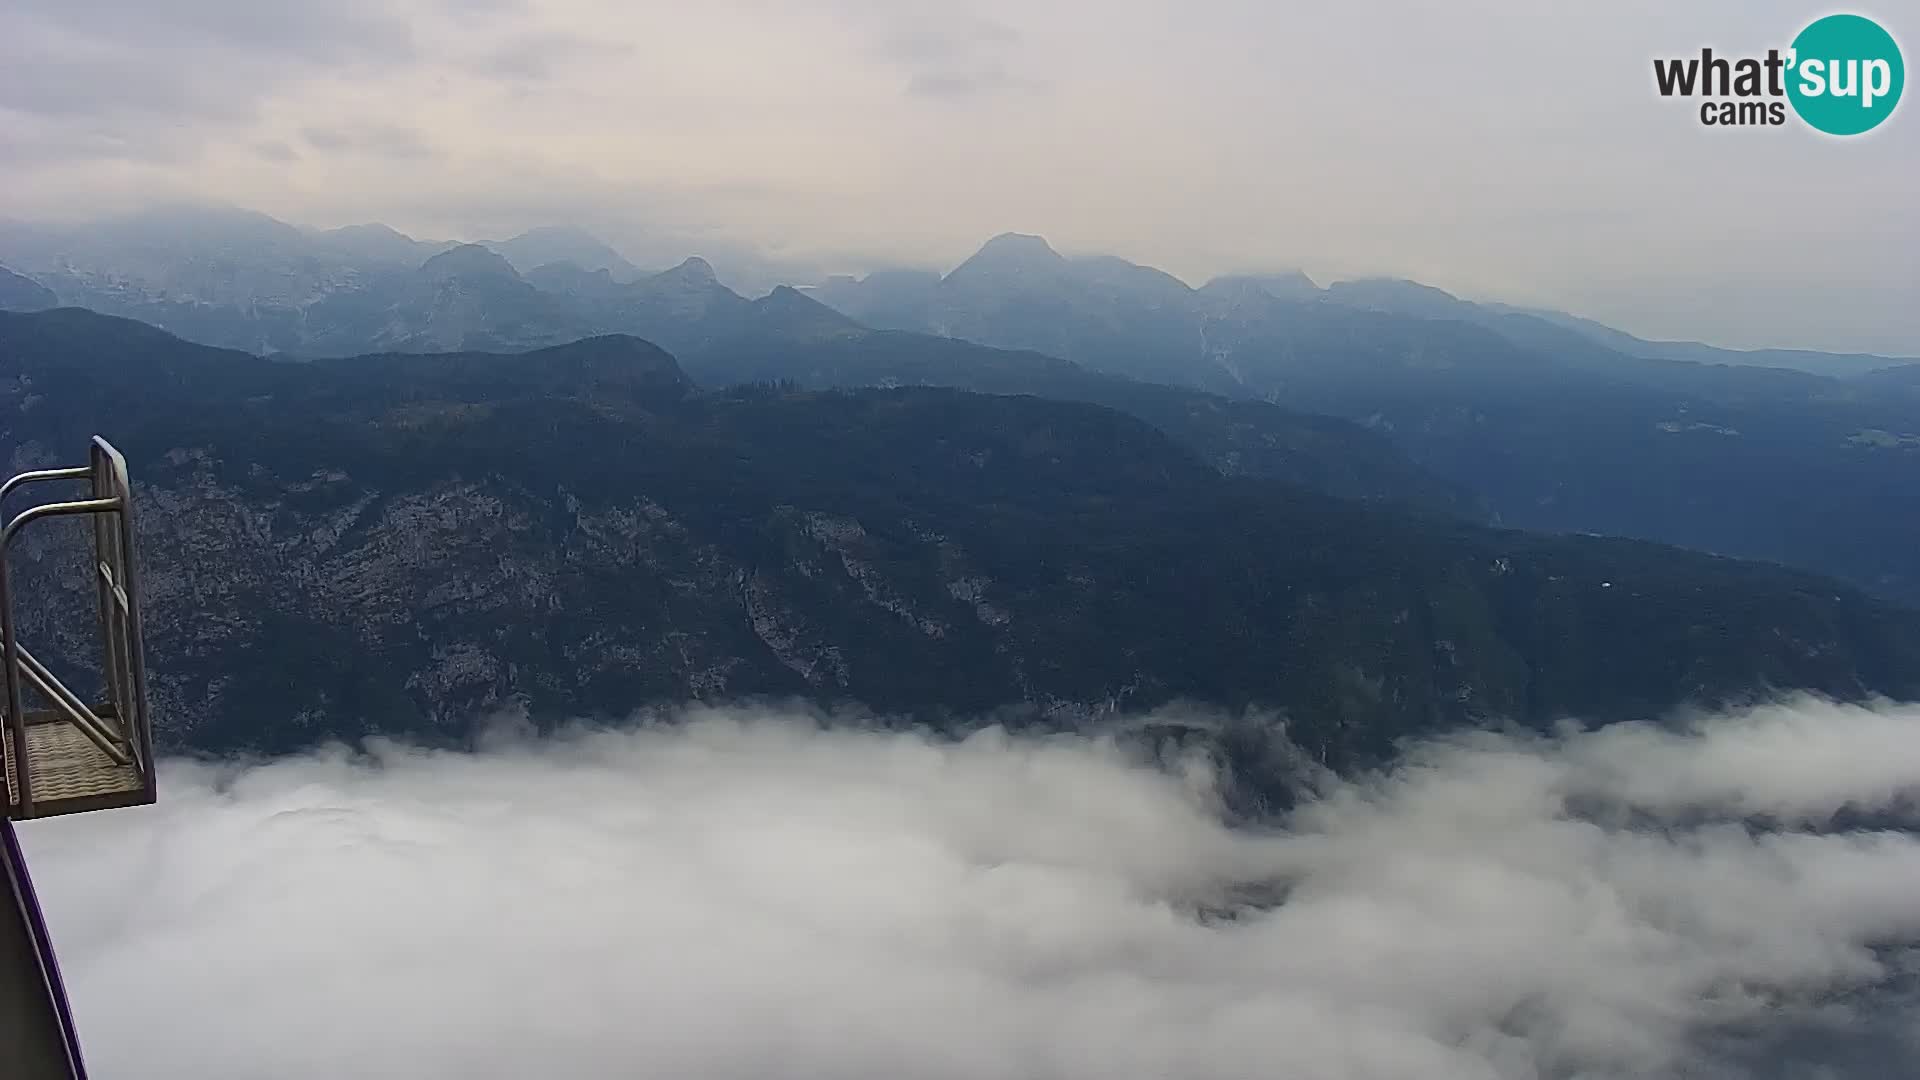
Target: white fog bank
x=745 y=894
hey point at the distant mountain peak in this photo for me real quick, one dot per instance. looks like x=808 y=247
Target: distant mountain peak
x=567 y=268
x=1391 y=288
x=1281 y=285
x=798 y=316
x=787 y=298
x=205 y=213
x=1014 y=253
x=564 y=243
x=1015 y=245
x=204 y=226
x=368 y=228
x=570 y=233
x=693 y=271
x=374 y=240
x=468 y=260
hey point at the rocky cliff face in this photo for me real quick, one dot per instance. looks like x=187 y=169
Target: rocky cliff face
x=397 y=543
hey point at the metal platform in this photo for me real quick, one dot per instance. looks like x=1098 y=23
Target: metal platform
x=71 y=774
x=68 y=756
x=65 y=756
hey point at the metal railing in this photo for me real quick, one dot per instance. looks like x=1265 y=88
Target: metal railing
x=111 y=764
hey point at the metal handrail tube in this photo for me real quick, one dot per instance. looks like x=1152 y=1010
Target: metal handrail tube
x=76 y=472
x=9 y=646
x=122 y=728
x=111 y=603
x=60 y=509
x=16 y=720
x=113 y=608
x=110 y=461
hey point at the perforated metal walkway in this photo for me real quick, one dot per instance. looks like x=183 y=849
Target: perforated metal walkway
x=71 y=772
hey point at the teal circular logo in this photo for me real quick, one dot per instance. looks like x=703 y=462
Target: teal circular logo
x=1844 y=75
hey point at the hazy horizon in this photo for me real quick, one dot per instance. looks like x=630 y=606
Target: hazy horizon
x=753 y=274
x=1484 y=150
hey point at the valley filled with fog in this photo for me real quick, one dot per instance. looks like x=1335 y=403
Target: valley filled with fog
x=733 y=892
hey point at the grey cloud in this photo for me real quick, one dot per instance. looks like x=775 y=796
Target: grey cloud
x=928 y=41
x=378 y=140
x=34 y=140
x=325 y=138
x=80 y=87
x=949 y=53
x=178 y=73
x=333 y=32
x=31 y=145
x=654 y=224
x=275 y=150
x=966 y=83
x=485 y=7
x=541 y=57
x=747 y=892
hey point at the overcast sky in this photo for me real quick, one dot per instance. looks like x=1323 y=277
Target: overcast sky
x=1503 y=149
x=749 y=896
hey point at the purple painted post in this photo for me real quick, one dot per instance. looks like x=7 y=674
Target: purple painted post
x=22 y=884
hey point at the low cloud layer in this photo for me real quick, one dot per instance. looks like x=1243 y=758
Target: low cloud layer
x=747 y=894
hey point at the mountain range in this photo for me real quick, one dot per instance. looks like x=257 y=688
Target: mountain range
x=396 y=542
x=1375 y=389
x=227 y=255
x=1017 y=287
x=1554 y=426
